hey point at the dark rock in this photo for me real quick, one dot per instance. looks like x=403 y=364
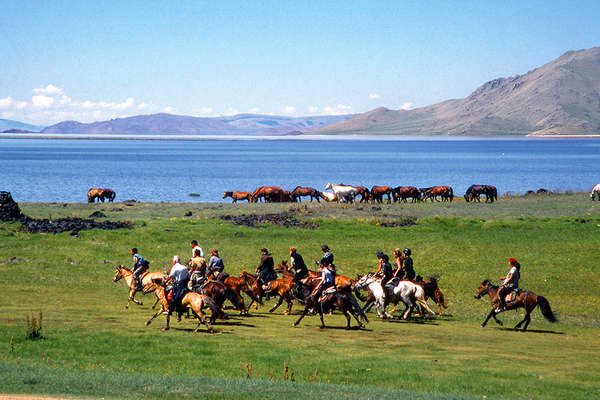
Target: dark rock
x=9 y=209
x=188 y=214
x=277 y=219
x=97 y=214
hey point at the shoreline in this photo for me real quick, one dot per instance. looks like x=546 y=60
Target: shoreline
x=304 y=137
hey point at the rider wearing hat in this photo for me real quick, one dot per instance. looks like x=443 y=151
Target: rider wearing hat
x=405 y=270
x=299 y=268
x=327 y=259
x=511 y=282
x=384 y=270
x=266 y=270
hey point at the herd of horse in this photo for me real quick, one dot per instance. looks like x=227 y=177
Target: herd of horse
x=361 y=194
x=343 y=297
x=99 y=195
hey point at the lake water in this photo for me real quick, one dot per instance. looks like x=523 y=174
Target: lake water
x=49 y=170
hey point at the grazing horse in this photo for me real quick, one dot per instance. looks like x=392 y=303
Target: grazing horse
x=444 y=193
x=192 y=300
x=343 y=192
x=328 y=196
x=238 y=196
x=407 y=292
x=523 y=298
x=474 y=191
x=268 y=194
x=377 y=193
x=149 y=282
x=595 y=192
x=108 y=194
x=365 y=194
x=300 y=192
x=402 y=193
x=94 y=194
x=340 y=299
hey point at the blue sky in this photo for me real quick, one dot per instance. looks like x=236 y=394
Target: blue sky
x=87 y=60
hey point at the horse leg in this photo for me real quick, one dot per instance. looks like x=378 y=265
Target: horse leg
x=345 y=312
x=490 y=315
x=320 y=307
x=156 y=302
x=202 y=320
x=167 y=327
x=277 y=305
x=302 y=316
x=289 y=307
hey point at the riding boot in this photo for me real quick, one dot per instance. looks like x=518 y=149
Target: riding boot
x=138 y=284
x=502 y=304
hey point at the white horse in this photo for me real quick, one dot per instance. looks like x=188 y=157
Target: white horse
x=328 y=196
x=343 y=191
x=405 y=291
x=595 y=195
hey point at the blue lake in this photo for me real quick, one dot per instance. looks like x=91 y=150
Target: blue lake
x=62 y=170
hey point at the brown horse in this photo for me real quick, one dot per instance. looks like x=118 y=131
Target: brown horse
x=239 y=285
x=268 y=194
x=236 y=196
x=475 y=191
x=192 y=300
x=107 y=194
x=94 y=194
x=284 y=289
x=444 y=193
x=377 y=193
x=402 y=193
x=340 y=299
x=525 y=299
x=300 y=192
x=150 y=280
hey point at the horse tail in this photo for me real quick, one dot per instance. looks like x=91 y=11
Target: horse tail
x=545 y=308
x=495 y=194
x=215 y=310
x=357 y=308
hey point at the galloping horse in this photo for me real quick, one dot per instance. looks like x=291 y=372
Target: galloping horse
x=238 y=196
x=150 y=280
x=194 y=301
x=300 y=192
x=474 y=191
x=343 y=192
x=401 y=193
x=238 y=285
x=377 y=193
x=340 y=299
x=432 y=291
x=527 y=300
x=595 y=192
x=405 y=291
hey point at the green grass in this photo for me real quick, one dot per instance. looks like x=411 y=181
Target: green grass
x=93 y=347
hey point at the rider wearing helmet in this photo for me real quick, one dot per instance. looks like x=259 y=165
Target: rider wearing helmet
x=326 y=281
x=405 y=270
x=511 y=282
x=384 y=271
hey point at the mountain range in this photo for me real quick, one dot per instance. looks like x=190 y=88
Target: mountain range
x=558 y=98
x=169 y=124
x=561 y=97
x=8 y=124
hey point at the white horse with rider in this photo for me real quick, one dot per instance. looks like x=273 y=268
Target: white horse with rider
x=343 y=192
x=405 y=291
x=595 y=194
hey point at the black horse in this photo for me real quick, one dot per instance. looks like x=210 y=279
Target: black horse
x=474 y=191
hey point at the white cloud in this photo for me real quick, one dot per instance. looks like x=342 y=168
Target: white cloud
x=374 y=96
x=337 y=110
x=6 y=102
x=8 y=114
x=64 y=100
x=205 y=110
x=168 y=109
x=19 y=105
x=88 y=104
x=313 y=109
x=407 y=106
x=254 y=110
x=42 y=101
x=288 y=110
x=49 y=90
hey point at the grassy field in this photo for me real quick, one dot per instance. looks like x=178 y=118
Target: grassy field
x=94 y=348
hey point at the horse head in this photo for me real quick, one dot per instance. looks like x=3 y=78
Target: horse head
x=118 y=273
x=228 y=194
x=483 y=289
x=364 y=280
x=329 y=186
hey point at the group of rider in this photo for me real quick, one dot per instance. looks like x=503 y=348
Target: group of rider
x=196 y=273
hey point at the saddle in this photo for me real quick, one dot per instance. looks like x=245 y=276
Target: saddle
x=269 y=286
x=392 y=283
x=512 y=295
x=327 y=294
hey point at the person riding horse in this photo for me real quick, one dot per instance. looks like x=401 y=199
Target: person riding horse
x=327 y=259
x=299 y=268
x=384 y=270
x=404 y=264
x=327 y=280
x=194 y=245
x=139 y=267
x=198 y=269
x=510 y=283
x=179 y=275
x=266 y=270
x=216 y=266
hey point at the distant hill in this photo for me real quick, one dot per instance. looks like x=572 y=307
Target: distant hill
x=7 y=124
x=166 y=124
x=561 y=97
